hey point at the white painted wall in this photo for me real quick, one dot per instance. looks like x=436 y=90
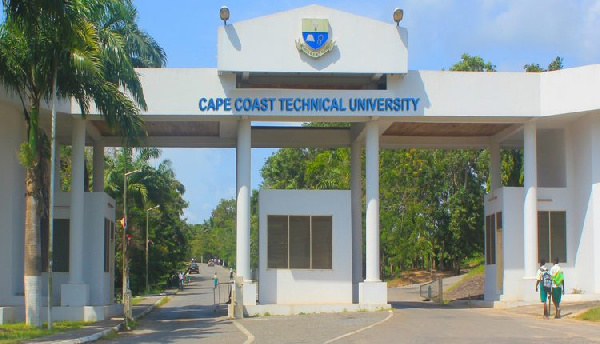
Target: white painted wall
x=267 y=44
x=581 y=201
x=459 y=96
x=569 y=90
x=12 y=205
x=284 y=286
x=582 y=178
x=551 y=158
x=98 y=206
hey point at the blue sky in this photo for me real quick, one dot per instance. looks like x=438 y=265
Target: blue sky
x=509 y=33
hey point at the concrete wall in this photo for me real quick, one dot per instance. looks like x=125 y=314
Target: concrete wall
x=551 y=160
x=12 y=205
x=509 y=201
x=295 y=286
x=98 y=206
x=569 y=90
x=583 y=181
x=580 y=198
x=267 y=44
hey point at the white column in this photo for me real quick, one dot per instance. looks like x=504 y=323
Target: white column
x=98 y=167
x=530 y=227
x=77 y=198
x=243 y=178
x=372 y=202
x=356 y=191
x=495 y=166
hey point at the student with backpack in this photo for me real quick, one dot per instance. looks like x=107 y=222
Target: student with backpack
x=558 y=286
x=544 y=282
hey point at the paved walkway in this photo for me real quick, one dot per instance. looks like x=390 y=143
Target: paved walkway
x=99 y=329
x=189 y=317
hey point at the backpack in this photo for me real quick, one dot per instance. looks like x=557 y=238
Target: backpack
x=546 y=280
x=558 y=278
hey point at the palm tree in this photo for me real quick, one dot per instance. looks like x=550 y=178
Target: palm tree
x=58 y=43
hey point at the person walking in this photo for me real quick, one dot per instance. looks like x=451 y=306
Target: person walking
x=545 y=279
x=181 y=280
x=558 y=287
x=215 y=280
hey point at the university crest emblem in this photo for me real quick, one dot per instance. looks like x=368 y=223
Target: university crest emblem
x=316 y=39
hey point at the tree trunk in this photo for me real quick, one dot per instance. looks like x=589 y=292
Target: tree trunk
x=32 y=279
x=34 y=159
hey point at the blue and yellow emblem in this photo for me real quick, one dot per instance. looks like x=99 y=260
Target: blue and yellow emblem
x=316 y=38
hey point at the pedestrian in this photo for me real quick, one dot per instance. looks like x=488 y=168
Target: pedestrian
x=230 y=274
x=558 y=286
x=187 y=276
x=544 y=282
x=215 y=280
x=181 y=280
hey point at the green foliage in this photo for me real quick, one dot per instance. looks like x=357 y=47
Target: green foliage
x=15 y=333
x=167 y=231
x=533 y=68
x=470 y=63
x=556 y=64
x=26 y=155
x=593 y=314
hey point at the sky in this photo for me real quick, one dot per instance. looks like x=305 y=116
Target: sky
x=507 y=33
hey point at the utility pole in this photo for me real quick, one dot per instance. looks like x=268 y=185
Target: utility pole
x=147 y=272
x=126 y=291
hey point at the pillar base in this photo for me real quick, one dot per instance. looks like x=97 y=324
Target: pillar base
x=249 y=293
x=372 y=293
x=74 y=295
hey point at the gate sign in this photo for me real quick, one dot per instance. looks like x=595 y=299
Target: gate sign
x=316 y=40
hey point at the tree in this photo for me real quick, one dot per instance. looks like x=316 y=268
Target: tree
x=44 y=44
x=556 y=64
x=470 y=63
x=533 y=68
x=170 y=234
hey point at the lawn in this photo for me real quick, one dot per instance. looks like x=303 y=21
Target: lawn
x=14 y=333
x=592 y=314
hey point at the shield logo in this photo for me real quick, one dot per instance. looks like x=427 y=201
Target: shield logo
x=316 y=38
x=315 y=32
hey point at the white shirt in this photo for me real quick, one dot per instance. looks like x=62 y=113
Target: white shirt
x=540 y=272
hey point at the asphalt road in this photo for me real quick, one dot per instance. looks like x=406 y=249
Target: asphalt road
x=189 y=317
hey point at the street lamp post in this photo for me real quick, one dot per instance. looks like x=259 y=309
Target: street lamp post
x=147 y=272
x=126 y=302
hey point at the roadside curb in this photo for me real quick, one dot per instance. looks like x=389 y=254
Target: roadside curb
x=117 y=328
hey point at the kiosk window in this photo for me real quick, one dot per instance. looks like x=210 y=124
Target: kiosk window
x=490 y=238
x=299 y=242
x=277 y=242
x=60 y=245
x=552 y=236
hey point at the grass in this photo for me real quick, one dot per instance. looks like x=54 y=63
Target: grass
x=477 y=267
x=592 y=314
x=136 y=300
x=163 y=301
x=14 y=333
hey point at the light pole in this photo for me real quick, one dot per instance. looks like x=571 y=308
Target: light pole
x=126 y=302
x=147 y=273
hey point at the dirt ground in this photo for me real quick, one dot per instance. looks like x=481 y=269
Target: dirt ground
x=468 y=289
x=417 y=277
